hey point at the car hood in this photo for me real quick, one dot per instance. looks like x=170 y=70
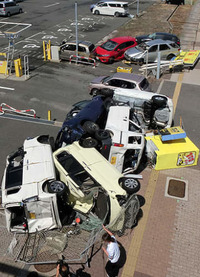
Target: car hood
x=98 y=80
x=133 y=52
x=100 y=51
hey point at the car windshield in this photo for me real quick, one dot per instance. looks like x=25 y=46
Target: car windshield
x=106 y=79
x=142 y=47
x=144 y=84
x=109 y=45
x=152 y=36
x=75 y=170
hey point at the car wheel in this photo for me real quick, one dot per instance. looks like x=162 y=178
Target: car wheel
x=130 y=185
x=102 y=134
x=107 y=103
x=159 y=100
x=169 y=57
x=8 y=14
x=141 y=61
x=97 y=12
x=108 y=92
x=117 y=14
x=94 y=91
x=111 y=60
x=20 y=10
x=90 y=127
x=89 y=143
x=57 y=187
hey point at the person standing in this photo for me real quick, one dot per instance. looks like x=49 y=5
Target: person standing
x=113 y=253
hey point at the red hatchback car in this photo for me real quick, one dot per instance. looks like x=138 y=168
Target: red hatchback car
x=113 y=49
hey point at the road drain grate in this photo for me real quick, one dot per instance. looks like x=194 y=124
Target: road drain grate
x=176 y=188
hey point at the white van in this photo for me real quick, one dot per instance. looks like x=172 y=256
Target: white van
x=8 y=8
x=127 y=145
x=115 y=8
x=152 y=110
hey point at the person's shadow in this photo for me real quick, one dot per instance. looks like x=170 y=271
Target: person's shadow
x=122 y=258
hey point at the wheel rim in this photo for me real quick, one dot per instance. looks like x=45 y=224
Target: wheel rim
x=130 y=183
x=90 y=142
x=57 y=186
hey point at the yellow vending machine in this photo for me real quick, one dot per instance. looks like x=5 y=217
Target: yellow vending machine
x=171 y=148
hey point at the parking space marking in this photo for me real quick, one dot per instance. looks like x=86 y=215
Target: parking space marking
x=52 y=5
x=7 y=88
x=134 y=248
x=177 y=90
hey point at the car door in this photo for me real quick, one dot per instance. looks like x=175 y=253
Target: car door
x=152 y=53
x=103 y=8
x=165 y=50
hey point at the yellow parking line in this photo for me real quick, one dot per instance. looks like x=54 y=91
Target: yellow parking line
x=134 y=248
x=177 y=91
x=135 y=245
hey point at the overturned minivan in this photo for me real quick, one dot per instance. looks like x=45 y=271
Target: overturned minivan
x=28 y=204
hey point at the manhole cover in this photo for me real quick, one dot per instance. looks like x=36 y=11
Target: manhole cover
x=176 y=188
x=46 y=256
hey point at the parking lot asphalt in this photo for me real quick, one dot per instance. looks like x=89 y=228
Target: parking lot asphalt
x=165 y=243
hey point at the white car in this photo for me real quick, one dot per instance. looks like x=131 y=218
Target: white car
x=115 y=8
x=151 y=110
x=89 y=178
x=28 y=205
x=127 y=146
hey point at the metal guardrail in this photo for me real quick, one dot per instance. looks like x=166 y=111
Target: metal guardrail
x=6 y=108
x=82 y=59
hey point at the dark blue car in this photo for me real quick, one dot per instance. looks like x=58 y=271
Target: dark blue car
x=83 y=123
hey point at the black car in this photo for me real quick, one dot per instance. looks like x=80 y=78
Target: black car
x=175 y=2
x=85 y=122
x=158 y=35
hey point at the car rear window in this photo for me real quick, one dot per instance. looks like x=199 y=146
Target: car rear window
x=109 y=45
x=144 y=84
x=91 y=47
x=1 y=6
x=174 y=45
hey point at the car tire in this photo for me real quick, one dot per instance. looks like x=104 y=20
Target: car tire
x=90 y=127
x=107 y=92
x=107 y=103
x=111 y=60
x=8 y=14
x=130 y=185
x=170 y=56
x=97 y=12
x=55 y=186
x=159 y=100
x=94 y=91
x=117 y=14
x=141 y=61
x=20 y=10
x=89 y=143
x=102 y=134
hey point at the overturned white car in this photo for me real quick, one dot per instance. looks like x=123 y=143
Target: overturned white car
x=29 y=207
x=35 y=198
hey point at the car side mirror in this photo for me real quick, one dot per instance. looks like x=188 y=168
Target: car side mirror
x=118 y=49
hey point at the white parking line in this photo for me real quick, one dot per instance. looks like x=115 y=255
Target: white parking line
x=51 y=5
x=7 y=88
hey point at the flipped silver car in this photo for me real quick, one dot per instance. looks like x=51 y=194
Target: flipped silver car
x=148 y=51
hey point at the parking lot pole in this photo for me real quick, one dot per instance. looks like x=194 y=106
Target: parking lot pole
x=137 y=8
x=158 y=64
x=76 y=31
